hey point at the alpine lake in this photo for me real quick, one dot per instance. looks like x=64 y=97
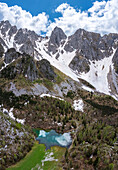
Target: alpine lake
x=47 y=152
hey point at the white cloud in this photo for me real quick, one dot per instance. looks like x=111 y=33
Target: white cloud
x=23 y=19
x=102 y=17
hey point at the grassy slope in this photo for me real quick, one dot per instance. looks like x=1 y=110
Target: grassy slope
x=37 y=154
x=98 y=107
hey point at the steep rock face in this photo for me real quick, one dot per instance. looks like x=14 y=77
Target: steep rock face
x=87 y=48
x=22 y=40
x=82 y=39
x=28 y=48
x=1 y=50
x=115 y=61
x=24 y=35
x=111 y=40
x=55 y=39
x=3 y=43
x=4 y=27
x=28 y=67
x=12 y=31
x=24 y=65
x=91 y=45
x=46 y=69
x=11 y=55
x=26 y=39
x=79 y=64
x=85 y=42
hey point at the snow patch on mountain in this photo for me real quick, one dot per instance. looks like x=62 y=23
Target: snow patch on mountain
x=49 y=95
x=9 y=41
x=11 y=115
x=87 y=88
x=62 y=65
x=64 y=56
x=97 y=76
x=78 y=105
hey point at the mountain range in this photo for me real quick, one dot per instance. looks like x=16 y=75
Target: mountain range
x=65 y=83
x=83 y=55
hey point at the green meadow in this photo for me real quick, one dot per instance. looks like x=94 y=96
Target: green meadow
x=35 y=158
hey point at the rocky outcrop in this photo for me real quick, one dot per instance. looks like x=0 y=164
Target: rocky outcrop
x=27 y=67
x=24 y=35
x=87 y=43
x=28 y=48
x=24 y=65
x=111 y=40
x=1 y=50
x=12 y=31
x=26 y=39
x=11 y=55
x=46 y=70
x=115 y=61
x=79 y=64
x=22 y=40
x=4 y=27
x=10 y=134
x=91 y=45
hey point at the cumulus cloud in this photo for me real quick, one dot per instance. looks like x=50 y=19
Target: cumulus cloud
x=102 y=17
x=23 y=19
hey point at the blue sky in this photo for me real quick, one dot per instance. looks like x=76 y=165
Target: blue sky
x=43 y=15
x=37 y=6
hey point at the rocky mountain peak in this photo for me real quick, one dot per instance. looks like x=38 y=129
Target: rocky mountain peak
x=24 y=35
x=56 y=39
x=5 y=24
x=82 y=38
x=4 y=27
x=57 y=35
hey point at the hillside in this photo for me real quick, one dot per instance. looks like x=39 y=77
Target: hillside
x=68 y=84
x=81 y=55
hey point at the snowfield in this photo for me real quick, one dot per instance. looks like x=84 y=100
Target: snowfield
x=97 y=76
x=61 y=64
x=78 y=105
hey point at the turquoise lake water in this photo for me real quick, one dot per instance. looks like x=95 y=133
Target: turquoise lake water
x=52 y=138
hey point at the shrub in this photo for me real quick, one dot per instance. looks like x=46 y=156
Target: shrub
x=74 y=154
x=111 y=166
x=70 y=94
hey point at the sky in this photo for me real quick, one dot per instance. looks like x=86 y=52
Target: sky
x=43 y=16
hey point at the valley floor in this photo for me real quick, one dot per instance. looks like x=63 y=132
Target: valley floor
x=39 y=158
